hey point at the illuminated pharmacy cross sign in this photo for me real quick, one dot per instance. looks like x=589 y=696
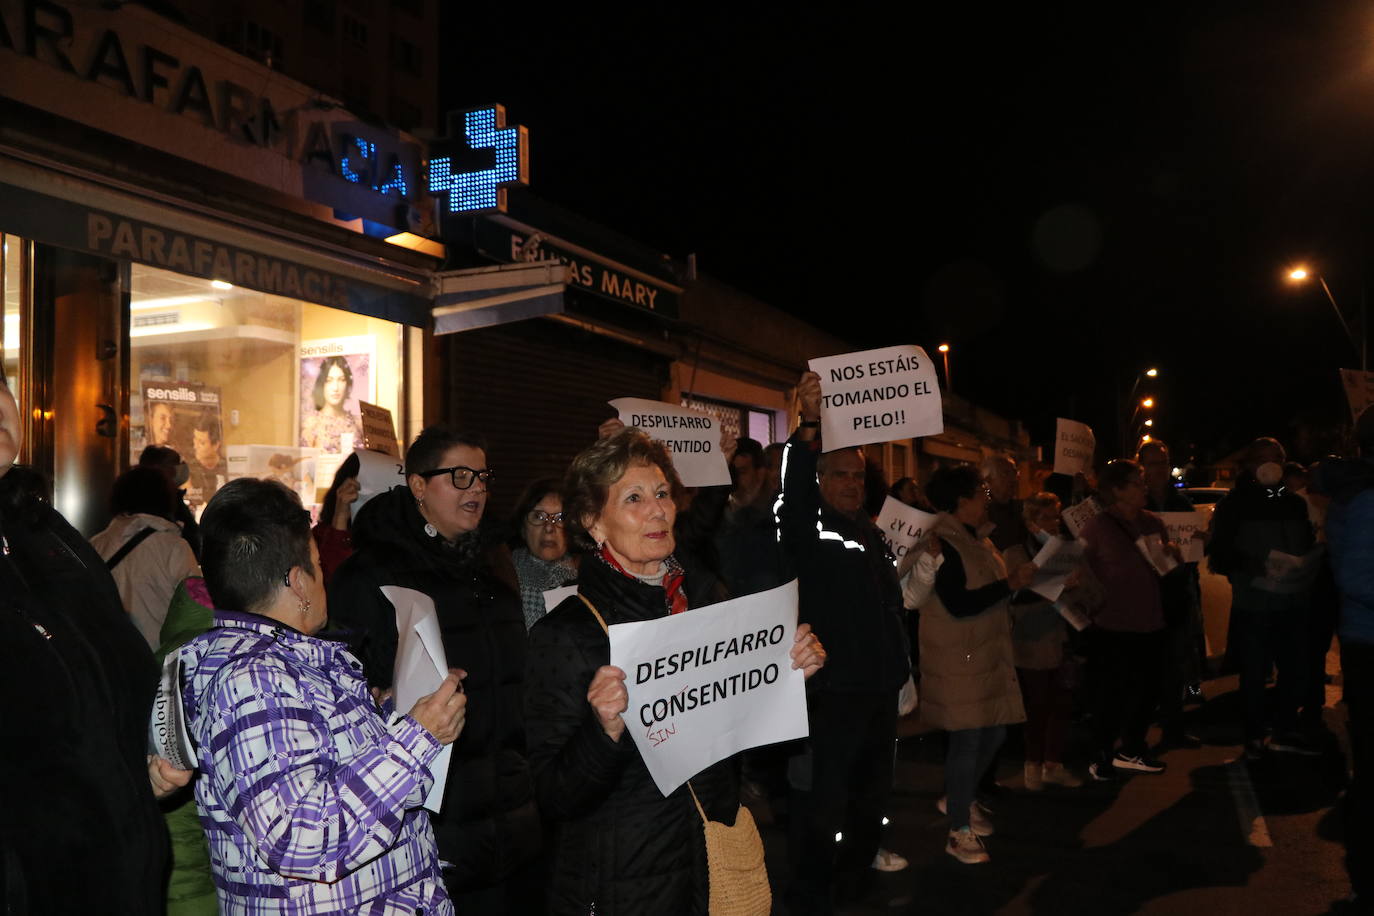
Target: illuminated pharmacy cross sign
x=474 y=178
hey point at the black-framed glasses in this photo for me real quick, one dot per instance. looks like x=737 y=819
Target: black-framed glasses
x=462 y=477
x=539 y=518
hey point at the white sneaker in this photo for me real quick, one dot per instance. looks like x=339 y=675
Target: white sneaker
x=966 y=846
x=887 y=860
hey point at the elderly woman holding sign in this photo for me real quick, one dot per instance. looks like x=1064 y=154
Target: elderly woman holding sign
x=622 y=847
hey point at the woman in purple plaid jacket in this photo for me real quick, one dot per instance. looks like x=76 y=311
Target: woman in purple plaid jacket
x=310 y=798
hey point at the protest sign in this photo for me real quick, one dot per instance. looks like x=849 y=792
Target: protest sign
x=1185 y=530
x=1079 y=514
x=1055 y=562
x=377 y=473
x=1151 y=547
x=1287 y=574
x=1074 y=444
x=693 y=438
x=420 y=667
x=711 y=682
x=1359 y=390
x=379 y=433
x=902 y=526
x=878 y=396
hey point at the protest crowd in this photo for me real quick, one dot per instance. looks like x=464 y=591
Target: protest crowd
x=1059 y=622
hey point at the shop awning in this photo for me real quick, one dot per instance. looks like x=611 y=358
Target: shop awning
x=484 y=296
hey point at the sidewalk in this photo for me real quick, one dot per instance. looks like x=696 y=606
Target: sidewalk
x=1211 y=835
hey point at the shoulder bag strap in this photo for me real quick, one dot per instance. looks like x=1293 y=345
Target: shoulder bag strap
x=595 y=613
x=128 y=547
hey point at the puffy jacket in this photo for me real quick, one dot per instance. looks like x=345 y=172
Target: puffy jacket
x=620 y=847
x=1350 y=536
x=79 y=830
x=1248 y=523
x=489 y=826
x=968 y=676
x=848 y=583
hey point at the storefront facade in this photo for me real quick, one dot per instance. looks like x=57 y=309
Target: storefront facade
x=194 y=256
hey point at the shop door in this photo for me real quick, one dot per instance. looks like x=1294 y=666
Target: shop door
x=78 y=401
x=537 y=390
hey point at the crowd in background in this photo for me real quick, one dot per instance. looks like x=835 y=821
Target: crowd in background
x=308 y=788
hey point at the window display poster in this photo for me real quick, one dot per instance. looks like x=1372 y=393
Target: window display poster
x=186 y=416
x=335 y=374
x=294 y=467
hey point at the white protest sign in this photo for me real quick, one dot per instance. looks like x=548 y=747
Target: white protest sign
x=902 y=526
x=692 y=436
x=1055 y=562
x=878 y=396
x=1185 y=529
x=711 y=682
x=420 y=667
x=1359 y=390
x=556 y=596
x=377 y=473
x=1074 y=445
x=1151 y=547
x=1079 y=514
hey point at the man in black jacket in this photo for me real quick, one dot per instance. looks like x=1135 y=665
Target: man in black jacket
x=850 y=596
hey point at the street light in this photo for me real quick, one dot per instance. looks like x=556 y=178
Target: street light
x=1123 y=429
x=1149 y=422
x=1147 y=403
x=1299 y=274
x=944 y=350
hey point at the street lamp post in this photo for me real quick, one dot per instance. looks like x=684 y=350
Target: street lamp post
x=1300 y=275
x=1125 y=429
x=944 y=350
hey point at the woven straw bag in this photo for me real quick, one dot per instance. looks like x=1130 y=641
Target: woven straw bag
x=734 y=861
x=734 y=855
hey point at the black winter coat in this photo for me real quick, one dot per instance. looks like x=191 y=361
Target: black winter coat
x=488 y=827
x=79 y=830
x=621 y=847
x=847 y=582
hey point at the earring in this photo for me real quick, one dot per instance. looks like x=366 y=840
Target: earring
x=431 y=530
x=305 y=606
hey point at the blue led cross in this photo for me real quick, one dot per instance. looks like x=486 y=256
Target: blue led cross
x=484 y=189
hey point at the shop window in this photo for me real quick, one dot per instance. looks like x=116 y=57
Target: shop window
x=736 y=419
x=243 y=383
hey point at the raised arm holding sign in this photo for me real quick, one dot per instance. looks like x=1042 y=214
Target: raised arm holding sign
x=878 y=396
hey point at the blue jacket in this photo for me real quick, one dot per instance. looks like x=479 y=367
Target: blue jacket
x=1350 y=540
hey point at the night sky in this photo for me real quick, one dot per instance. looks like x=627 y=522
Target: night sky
x=1067 y=197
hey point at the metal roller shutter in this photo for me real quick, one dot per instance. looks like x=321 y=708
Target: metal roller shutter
x=537 y=390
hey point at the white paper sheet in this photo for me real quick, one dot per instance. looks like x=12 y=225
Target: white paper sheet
x=1185 y=530
x=1074 y=444
x=902 y=526
x=692 y=436
x=421 y=667
x=377 y=473
x=1056 y=560
x=878 y=396
x=556 y=596
x=1078 y=515
x=1151 y=547
x=711 y=682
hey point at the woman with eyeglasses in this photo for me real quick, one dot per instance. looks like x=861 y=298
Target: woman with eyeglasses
x=540 y=553
x=427 y=535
